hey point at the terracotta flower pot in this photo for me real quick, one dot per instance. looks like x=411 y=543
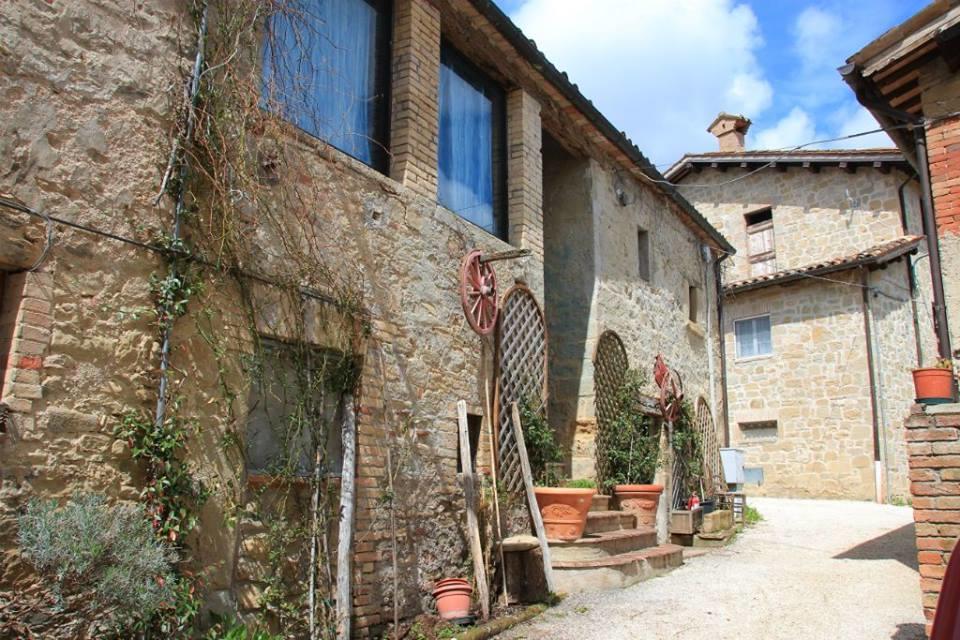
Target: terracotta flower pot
x=564 y=511
x=453 y=598
x=641 y=500
x=933 y=385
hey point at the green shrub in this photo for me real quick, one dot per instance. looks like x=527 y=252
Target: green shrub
x=580 y=483
x=542 y=447
x=633 y=443
x=108 y=555
x=751 y=515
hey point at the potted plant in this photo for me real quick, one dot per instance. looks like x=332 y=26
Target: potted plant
x=633 y=451
x=563 y=508
x=452 y=596
x=934 y=385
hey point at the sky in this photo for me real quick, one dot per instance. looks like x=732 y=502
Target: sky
x=661 y=70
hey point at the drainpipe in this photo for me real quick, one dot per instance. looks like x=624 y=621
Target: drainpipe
x=707 y=261
x=880 y=458
x=911 y=281
x=724 y=395
x=933 y=245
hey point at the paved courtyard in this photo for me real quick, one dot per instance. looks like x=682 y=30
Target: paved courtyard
x=812 y=569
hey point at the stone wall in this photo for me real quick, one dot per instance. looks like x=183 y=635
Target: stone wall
x=595 y=263
x=934 y=452
x=816 y=216
x=88 y=89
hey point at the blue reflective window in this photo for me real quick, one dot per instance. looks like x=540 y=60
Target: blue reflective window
x=753 y=337
x=326 y=69
x=472 y=151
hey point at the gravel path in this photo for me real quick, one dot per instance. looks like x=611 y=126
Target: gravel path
x=812 y=569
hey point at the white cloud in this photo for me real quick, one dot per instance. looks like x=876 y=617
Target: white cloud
x=794 y=129
x=659 y=70
x=817 y=37
x=751 y=92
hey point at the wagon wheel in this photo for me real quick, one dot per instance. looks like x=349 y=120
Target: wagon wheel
x=671 y=396
x=478 y=293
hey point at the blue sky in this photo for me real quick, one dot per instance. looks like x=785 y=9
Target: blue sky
x=662 y=69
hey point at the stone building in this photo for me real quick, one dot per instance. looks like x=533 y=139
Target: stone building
x=826 y=309
x=309 y=227
x=909 y=78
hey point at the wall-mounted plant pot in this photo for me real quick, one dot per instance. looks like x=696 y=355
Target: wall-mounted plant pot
x=641 y=500
x=453 y=598
x=564 y=511
x=933 y=385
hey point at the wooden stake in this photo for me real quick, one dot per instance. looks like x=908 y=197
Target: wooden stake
x=393 y=545
x=469 y=494
x=532 y=498
x=348 y=434
x=496 y=492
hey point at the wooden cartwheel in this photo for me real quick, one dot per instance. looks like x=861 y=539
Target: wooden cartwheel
x=478 y=293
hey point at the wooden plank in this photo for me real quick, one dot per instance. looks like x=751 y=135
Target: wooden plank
x=348 y=434
x=473 y=528
x=488 y=409
x=532 y=498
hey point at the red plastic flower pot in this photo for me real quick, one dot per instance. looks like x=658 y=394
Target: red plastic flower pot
x=933 y=384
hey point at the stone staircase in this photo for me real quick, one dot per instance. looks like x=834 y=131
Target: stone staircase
x=613 y=553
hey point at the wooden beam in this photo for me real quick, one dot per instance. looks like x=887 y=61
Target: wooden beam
x=532 y=498
x=470 y=497
x=348 y=435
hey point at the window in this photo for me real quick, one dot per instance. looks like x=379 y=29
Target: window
x=291 y=405
x=765 y=430
x=327 y=70
x=761 y=250
x=472 y=144
x=693 y=303
x=753 y=337
x=643 y=254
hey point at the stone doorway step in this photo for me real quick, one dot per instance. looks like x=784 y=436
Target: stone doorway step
x=613 y=553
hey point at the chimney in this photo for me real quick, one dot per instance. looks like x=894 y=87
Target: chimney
x=730 y=130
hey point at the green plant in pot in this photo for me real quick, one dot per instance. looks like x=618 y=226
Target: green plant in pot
x=688 y=453
x=633 y=452
x=563 y=508
x=934 y=385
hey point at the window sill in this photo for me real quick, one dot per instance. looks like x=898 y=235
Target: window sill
x=765 y=356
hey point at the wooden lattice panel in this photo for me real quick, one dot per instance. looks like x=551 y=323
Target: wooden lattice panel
x=521 y=373
x=710 y=446
x=610 y=364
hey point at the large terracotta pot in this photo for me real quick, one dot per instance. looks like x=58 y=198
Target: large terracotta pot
x=453 y=598
x=641 y=500
x=564 y=511
x=933 y=384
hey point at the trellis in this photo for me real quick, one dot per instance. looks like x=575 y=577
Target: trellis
x=521 y=373
x=610 y=365
x=710 y=446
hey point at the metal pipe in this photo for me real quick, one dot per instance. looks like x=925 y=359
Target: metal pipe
x=933 y=245
x=161 y=412
x=872 y=374
x=724 y=393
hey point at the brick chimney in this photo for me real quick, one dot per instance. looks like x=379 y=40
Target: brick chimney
x=730 y=130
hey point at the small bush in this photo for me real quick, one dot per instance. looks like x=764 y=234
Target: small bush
x=542 y=447
x=581 y=483
x=109 y=555
x=751 y=515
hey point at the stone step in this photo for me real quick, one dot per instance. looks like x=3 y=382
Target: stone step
x=615 y=572
x=600 y=502
x=602 y=521
x=603 y=545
